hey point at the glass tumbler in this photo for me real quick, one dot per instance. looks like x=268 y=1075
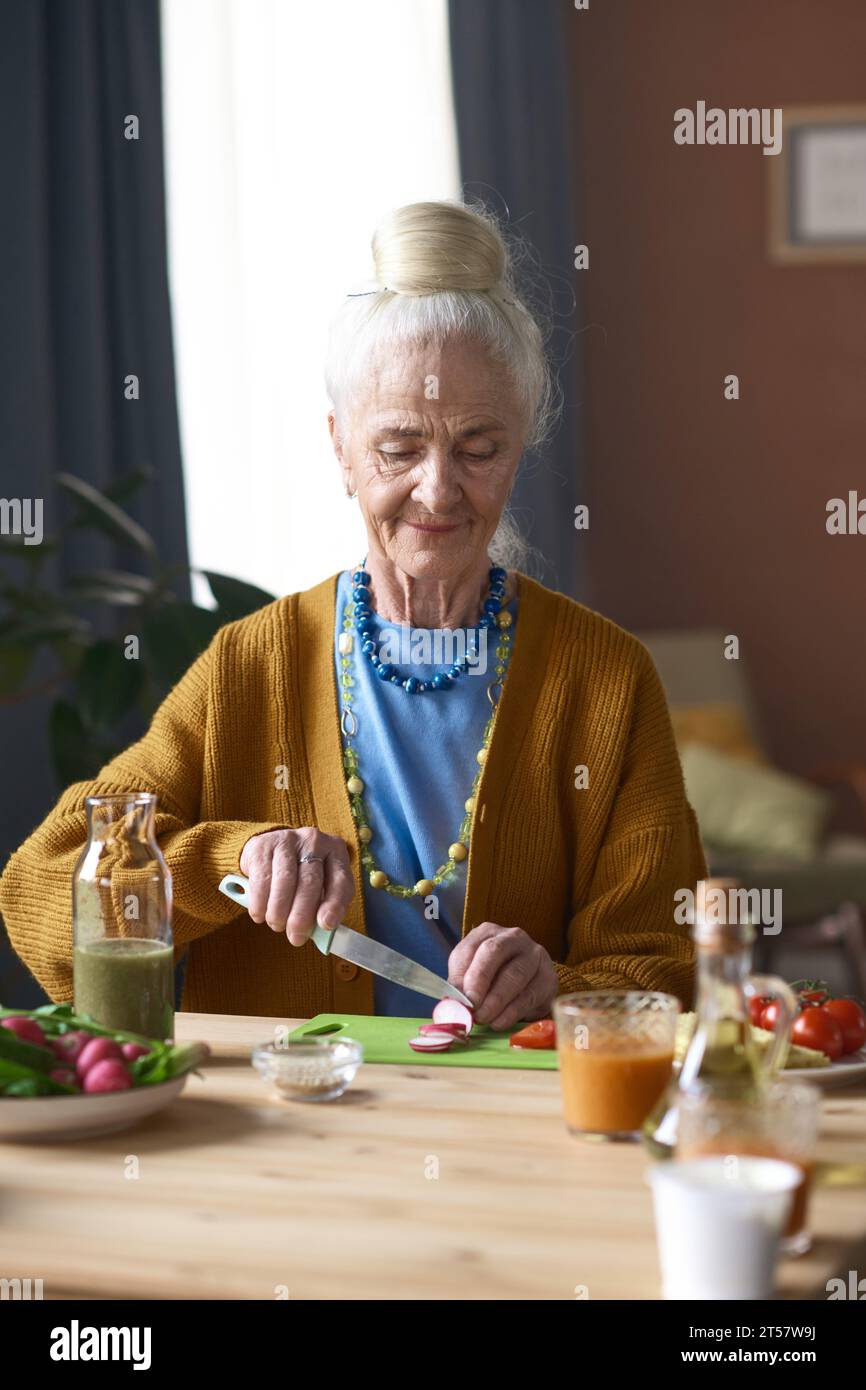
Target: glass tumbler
x=781 y=1122
x=616 y=1052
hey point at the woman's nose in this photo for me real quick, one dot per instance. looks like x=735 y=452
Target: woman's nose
x=438 y=487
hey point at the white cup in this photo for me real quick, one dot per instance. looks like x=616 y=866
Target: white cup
x=718 y=1224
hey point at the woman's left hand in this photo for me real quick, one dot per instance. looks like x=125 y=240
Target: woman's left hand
x=508 y=976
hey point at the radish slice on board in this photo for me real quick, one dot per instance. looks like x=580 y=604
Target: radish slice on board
x=436 y=1043
x=452 y=1011
x=456 y=1031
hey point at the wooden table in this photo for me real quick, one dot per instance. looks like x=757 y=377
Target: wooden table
x=422 y=1182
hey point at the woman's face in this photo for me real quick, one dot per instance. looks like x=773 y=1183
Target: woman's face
x=431 y=445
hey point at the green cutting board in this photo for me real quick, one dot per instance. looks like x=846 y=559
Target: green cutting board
x=387 y=1040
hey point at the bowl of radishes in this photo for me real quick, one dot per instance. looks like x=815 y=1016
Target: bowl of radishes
x=63 y=1076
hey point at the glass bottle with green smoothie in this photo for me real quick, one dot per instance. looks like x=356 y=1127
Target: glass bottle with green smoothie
x=122 y=953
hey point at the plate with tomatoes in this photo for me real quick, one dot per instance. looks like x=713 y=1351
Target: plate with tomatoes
x=830 y=1025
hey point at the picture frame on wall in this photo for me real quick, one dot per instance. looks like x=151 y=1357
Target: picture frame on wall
x=817 y=187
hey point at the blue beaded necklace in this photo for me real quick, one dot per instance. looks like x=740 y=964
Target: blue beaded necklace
x=443 y=680
x=358 y=614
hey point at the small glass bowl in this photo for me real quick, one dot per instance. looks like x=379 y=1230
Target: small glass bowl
x=309 y=1069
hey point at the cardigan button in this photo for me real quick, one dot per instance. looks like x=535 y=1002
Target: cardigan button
x=346 y=970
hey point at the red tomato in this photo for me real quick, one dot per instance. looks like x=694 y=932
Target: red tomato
x=770 y=1016
x=852 y=1021
x=812 y=996
x=540 y=1034
x=817 y=1029
x=757 y=1005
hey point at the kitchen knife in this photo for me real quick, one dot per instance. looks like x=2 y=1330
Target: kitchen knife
x=362 y=950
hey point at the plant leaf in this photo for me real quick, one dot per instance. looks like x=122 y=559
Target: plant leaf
x=129 y=483
x=29 y=632
x=26 y=1086
x=105 y=514
x=15 y=662
x=164 y=1062
x=62 y=1011
x=235 y=598
x=15 y=545
x=84 y=592
x=108 y=684
x=174 y=636
x=74 y=753
x=119 y=587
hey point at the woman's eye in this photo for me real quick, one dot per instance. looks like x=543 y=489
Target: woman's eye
x=476 y=457
x=393 y=455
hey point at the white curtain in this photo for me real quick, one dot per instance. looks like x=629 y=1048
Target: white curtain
x=289 y=129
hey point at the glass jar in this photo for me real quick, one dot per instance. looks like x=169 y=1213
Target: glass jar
x=122 y=951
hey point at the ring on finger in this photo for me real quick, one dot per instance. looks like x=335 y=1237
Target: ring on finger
x=311 y=859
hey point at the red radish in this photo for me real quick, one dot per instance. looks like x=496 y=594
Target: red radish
x=452 y=1011
x=65 y=1075
x=428 y=1044
x=97 y=1050
x=451 y=1030
x=434 y=1033
x=133 y=1050
x=69 y=1046
x=27 y=1029
x=107 y=1075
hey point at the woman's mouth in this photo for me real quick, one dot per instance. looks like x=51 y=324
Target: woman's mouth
x=433 y=530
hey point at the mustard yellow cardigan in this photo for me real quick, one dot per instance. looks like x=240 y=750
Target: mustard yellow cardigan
x=589 y=871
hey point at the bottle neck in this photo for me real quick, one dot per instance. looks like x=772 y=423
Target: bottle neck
x=122 y=827
x=721 y=976
x=120 y=817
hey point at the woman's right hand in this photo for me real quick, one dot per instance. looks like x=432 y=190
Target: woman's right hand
x=290 y=896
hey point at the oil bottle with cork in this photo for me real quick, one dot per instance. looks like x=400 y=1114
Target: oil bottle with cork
x=722 y=1057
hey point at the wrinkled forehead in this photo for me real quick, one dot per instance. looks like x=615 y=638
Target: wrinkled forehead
x=432 y=378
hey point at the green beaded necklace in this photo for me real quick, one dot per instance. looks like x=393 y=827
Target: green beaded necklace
x=457 y=851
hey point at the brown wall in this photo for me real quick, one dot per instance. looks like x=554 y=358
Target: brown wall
x=705 y=511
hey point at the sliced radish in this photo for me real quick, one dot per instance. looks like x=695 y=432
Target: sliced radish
x=439 y=1043
x=453 y=1030
x=432 y=1030
x=452 y=1011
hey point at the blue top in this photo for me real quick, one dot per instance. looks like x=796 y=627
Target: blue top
x=416 y=757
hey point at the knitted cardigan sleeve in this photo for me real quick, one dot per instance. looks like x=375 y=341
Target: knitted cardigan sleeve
x=36 y=886
x=624 y=935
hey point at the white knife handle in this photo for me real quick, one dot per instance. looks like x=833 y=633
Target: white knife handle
x=235 y=886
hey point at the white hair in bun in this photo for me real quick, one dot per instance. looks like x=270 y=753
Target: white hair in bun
x=427 y=248
x=442 y=270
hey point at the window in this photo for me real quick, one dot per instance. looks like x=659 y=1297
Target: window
x=283 y=149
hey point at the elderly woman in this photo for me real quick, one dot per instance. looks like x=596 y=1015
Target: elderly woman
x=513 y=815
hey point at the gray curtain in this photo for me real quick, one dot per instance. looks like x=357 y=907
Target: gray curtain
x=515 y=124
x=84 y=303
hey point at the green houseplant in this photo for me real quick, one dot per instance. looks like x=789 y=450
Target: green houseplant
x=101 y=681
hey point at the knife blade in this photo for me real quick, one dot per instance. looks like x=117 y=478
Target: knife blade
x=363 y=951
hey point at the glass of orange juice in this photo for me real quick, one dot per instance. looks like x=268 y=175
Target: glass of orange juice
x=782 y=1121
x=616 y=1052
